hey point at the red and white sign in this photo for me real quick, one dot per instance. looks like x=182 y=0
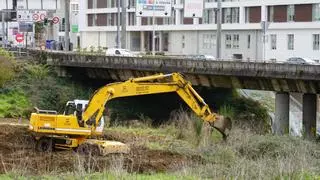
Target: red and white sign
x=19 y=38
x=42 y=16
x=35 y=17
x=38 y=15
x=55 y=20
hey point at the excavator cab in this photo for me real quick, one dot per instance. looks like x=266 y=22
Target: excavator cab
x=77 y=107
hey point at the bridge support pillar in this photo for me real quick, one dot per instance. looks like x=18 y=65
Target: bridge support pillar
x=281 y=122
x=309 y=116
x=142 y=41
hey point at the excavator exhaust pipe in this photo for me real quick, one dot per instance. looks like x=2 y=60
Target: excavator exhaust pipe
x=222 y=124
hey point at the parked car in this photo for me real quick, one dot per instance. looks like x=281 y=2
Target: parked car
x=299 y=60
x=201 y=57
x=207 y=57
x=121 y=52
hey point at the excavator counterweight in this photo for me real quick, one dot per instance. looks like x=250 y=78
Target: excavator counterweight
x=75 y=130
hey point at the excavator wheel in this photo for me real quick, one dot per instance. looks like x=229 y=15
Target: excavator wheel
x=88 y=149
x=44 y=144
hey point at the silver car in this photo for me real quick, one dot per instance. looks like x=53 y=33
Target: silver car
x=299 y=60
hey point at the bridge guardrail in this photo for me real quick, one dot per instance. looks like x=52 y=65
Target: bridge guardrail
x=160 y=57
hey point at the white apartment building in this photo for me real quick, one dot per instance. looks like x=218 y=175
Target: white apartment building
x=293 y=29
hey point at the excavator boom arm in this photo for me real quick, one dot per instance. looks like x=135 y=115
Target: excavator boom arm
x=156 y=84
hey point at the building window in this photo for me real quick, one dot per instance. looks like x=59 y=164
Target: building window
x=74 y=7
x=271 y=12
x=183 y=40
x=316 y=41
x=62 y=25
x=230 y=15
x=249 y=41
x=290 y=42
x=316 y=12
x=273 y=39
x=167 y=20
x=132 y=3
x=290 y=13
x=208 y=41
x=90 y=4
x=91 y=20
x=228 y=41
x=101 y=19
x=208 y=16
x=234 y=15
x=102 y=4
x=235 y=43
x=132 y=19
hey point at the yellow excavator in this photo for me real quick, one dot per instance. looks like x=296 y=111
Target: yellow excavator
x=79 y=130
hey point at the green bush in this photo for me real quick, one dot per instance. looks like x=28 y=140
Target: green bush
x=250 y=114
x=7 y=64
x=38 y=85
x=13 y=104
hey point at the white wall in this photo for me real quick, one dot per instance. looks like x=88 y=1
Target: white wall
x=303 y=46
x=36 y=4
x=176 y=40
x=194 y=44
x=107 y=39
x=3 y=4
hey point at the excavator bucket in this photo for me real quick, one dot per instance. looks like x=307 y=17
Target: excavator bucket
x=222 y=124
x=103 y=147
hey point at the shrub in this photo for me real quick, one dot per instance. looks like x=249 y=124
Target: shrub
x=6 y=66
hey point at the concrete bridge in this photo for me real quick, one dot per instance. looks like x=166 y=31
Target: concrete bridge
x=278 y=77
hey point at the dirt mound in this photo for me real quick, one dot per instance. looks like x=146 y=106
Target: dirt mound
x=17 y=154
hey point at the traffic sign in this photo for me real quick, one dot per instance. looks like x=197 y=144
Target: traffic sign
x=24 y=16
x=35 y=17
x=42 y=17
x=150 y=8
x=74 y=28
x=19 y=38
x=55 y=20
x=38 y=15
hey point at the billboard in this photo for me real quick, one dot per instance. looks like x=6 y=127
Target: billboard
x=193 y=8
x=25 y=27
x=157 y=8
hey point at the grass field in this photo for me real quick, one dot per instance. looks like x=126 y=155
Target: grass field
x=167 y=152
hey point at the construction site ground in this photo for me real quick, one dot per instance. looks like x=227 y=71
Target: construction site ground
x=18 y=154
x=163 y=153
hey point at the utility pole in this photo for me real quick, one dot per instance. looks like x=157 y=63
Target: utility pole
x=153 y=30
x=219 y=14
x=124 y=25
x=118 y=25
x=3 y=29
x=6 y=32
x=67 y=25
